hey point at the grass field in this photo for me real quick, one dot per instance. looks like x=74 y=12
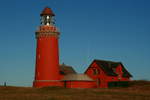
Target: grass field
x=138 y=90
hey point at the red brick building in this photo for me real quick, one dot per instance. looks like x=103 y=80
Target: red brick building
x=108 y=73
x=100 y=74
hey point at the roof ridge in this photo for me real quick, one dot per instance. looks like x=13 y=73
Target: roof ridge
x=106 y=61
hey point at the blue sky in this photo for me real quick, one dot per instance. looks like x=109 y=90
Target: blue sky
x=116 y=30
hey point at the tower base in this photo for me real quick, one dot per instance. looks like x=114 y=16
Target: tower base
x=46 y=83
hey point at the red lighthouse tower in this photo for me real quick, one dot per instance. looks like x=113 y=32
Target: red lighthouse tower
x=47 y=52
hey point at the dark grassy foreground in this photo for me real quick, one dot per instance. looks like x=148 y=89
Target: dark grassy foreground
x=138 y=90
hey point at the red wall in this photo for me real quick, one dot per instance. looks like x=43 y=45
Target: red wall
x=47 y=65
x=102 y=78
x=80 y=84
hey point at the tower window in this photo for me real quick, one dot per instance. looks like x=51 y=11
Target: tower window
x=39 y=56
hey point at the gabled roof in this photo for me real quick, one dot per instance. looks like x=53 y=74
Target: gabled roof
x=77 y=77
x=108 y=66
x=125 y=72
x=65 y=69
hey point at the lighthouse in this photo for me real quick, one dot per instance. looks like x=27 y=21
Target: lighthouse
x=47 y=52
